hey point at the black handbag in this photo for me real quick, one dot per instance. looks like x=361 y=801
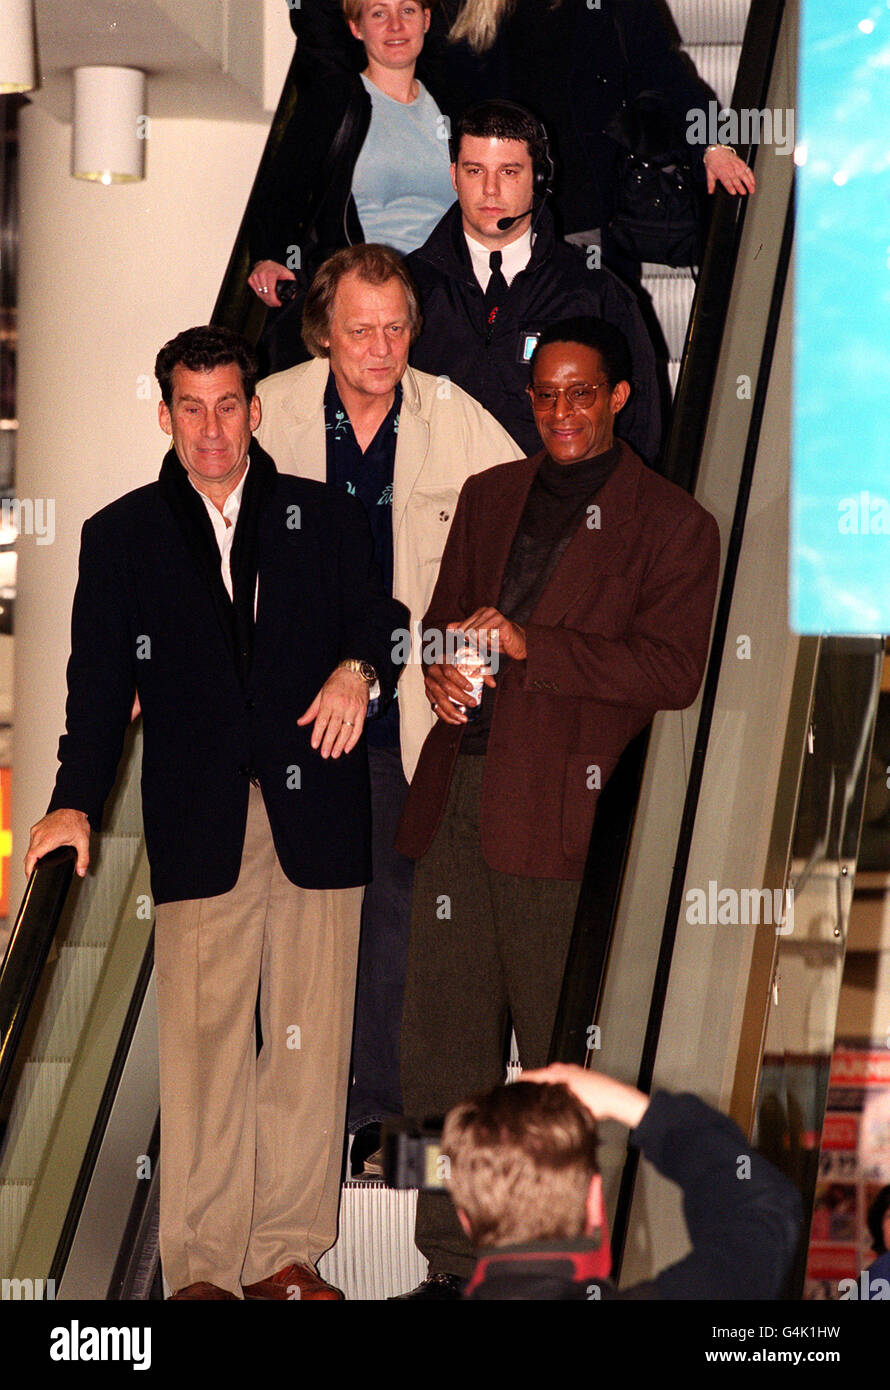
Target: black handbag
x=659 y=214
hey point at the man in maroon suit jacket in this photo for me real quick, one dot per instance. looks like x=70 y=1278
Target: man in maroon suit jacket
x=599 y=578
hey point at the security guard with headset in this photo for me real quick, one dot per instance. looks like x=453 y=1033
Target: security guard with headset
x=493 y=274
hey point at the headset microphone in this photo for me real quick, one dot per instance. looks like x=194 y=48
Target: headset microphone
x=505 y=223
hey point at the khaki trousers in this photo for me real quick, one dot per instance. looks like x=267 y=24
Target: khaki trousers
x=251 y=1146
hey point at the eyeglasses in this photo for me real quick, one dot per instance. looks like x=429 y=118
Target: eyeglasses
x=545 y=397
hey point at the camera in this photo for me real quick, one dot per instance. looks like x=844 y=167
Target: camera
x=412 y=1155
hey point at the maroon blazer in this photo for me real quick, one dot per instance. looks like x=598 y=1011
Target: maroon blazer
x=621 y=630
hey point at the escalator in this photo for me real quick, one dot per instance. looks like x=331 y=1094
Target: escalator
x=709 y=794
x=78 y=1056
x=704 y=937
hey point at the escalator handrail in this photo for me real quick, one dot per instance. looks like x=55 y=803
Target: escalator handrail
x=29 y=945
x=236 y=304
x=707 y=320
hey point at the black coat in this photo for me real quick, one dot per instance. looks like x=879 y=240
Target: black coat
x=144 y=620
x=564 y=63
x=555 y=284
x=306 y=192
x=306 y=199
x=567 y=65
x=743 y=1225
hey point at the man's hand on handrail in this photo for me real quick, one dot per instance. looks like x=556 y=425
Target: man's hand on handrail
x=62 y=827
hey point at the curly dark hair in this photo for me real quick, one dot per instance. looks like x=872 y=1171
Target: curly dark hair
x=201 y=350
x=591 y=332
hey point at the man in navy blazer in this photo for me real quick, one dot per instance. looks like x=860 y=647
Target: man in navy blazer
x=244 y=611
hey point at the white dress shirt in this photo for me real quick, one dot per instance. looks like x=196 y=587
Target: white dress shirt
x=224 y=523
x=514 y=257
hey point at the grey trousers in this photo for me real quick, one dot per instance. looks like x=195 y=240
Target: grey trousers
x=487 y=949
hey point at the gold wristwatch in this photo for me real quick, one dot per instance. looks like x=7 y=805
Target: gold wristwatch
x=361 y=668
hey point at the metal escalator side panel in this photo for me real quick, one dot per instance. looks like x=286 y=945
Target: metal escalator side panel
x=28 y=947
x=120 y=1165
x=111 y=926
x=740 y=749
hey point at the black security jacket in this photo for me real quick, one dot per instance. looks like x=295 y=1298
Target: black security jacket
x=145 y=620
x=556 y=284
x=742 y=1215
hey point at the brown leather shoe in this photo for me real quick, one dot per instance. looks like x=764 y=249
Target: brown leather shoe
x=296 y=1282
x=203 y=1291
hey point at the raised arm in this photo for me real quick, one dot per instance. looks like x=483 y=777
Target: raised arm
x=742 y=1214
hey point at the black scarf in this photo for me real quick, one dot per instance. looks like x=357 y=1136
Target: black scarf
x=190 y=514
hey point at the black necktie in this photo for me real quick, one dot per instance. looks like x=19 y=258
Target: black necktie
x=495 y=292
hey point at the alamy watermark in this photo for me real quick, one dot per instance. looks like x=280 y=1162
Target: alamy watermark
x=30 y=516
x=435 y=647
x=734 y=907
x=867 y=514
x=82 y=1342
x=27 y=1290
x=720 y=125
x=869 y=1288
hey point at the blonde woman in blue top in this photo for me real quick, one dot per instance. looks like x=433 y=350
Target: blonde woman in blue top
x=364 y=158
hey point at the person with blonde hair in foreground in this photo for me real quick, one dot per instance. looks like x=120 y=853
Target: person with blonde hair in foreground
x=525 y=1181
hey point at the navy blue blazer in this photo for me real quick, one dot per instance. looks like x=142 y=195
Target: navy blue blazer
x=144 y=621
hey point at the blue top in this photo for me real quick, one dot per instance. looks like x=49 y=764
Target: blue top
x=401 y=183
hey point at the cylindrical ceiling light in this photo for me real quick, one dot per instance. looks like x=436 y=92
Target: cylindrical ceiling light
x=17 y=47
x=108 y=144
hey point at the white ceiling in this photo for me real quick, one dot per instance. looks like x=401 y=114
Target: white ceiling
x=186 y=78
